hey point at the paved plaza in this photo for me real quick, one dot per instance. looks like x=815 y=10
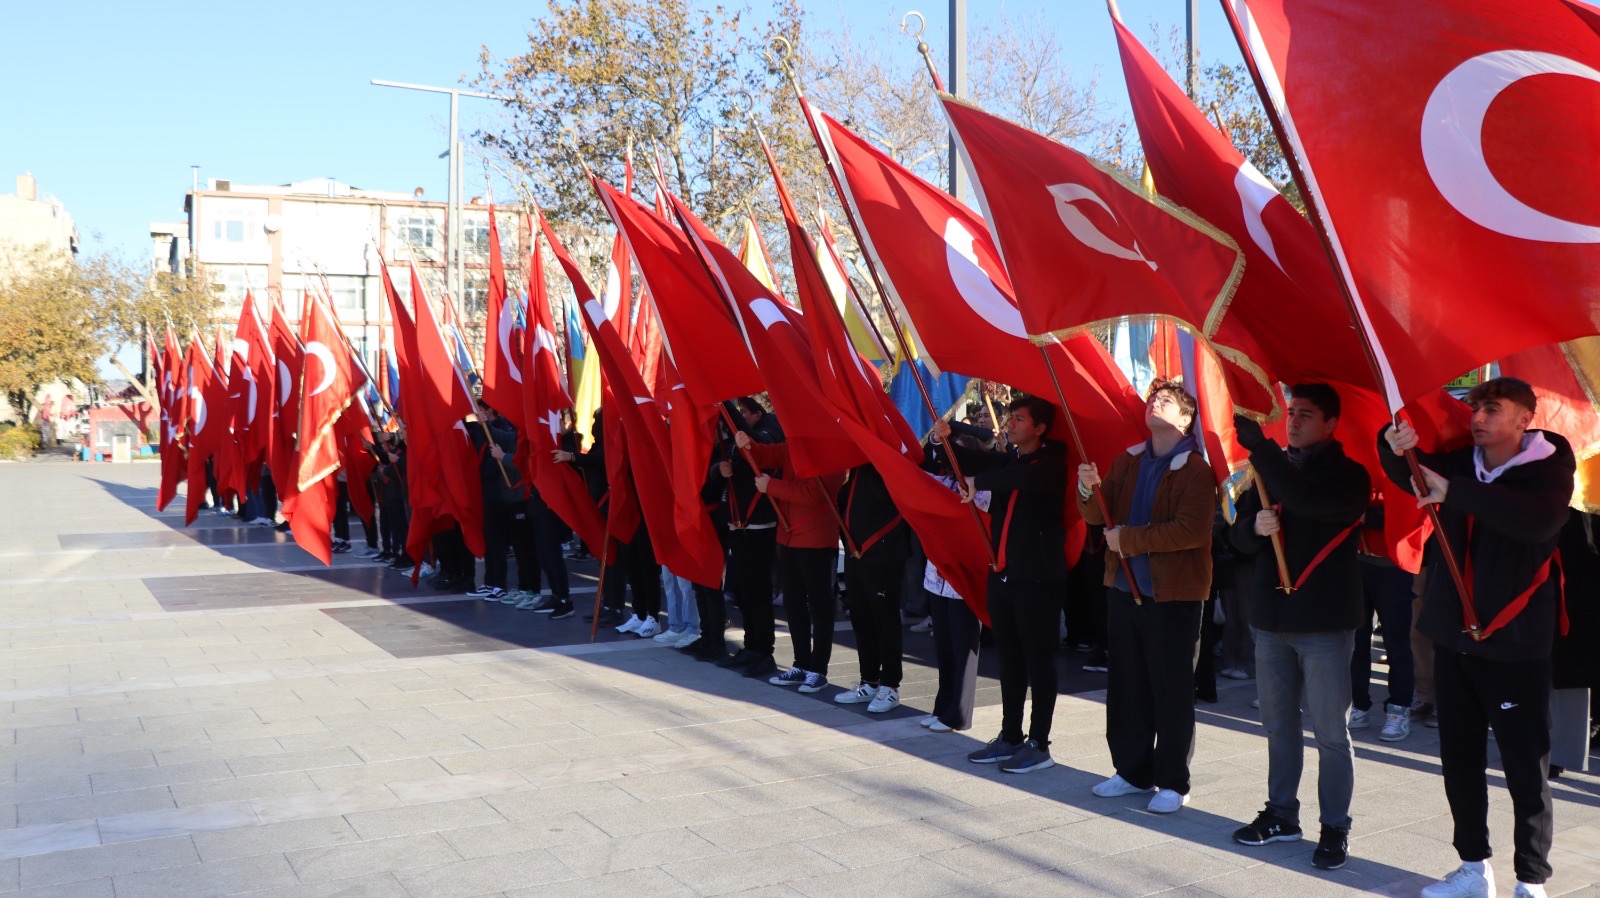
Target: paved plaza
x=209 y=712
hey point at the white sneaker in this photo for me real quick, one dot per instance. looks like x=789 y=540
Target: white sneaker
x=1359 y=720
x=666 y=637
x=1396 y=723
x=631 y=625
x=262 y=522
x=928 y=721
x=855 y=695
x=939 y=726
x=1464 y=882
x=685 y=640
x=649 y=628
x=427 y=570
x=1166 y=801
x=1116 y=787
x=887 y=699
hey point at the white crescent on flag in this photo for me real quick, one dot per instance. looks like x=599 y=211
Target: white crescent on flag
x=974 y=285
x=1452 y=144
x=1255 y=193
x=283 y=384
x=507 y=321
x=1079 y=225
x=197 y=411
x=329 y=370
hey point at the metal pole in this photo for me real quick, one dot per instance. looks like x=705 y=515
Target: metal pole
x=453 y=201
x=958 y=86
x=1193 y=50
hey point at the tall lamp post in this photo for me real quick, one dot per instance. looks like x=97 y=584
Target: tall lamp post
x=453 y=270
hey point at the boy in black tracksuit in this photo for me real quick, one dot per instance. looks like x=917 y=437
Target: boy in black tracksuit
x=1502 y=504
x=1028 y=494
x=874 y=577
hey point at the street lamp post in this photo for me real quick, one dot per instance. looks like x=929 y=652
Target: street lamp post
x=453 y=237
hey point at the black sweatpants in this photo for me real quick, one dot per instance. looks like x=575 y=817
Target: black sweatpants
x=497 y=522
x=955 y=644
x=713 y=614
x=806 y=576
x=392 y=523
x=541 y=535
x=341 y=513
x=873 y=589
x=644 y=575
x=749 y=575
x=1025 y=618
x=1472 y=694
x=1153 y=648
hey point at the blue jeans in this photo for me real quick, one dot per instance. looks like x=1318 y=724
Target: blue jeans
x=1315 y=665
x=683 y=615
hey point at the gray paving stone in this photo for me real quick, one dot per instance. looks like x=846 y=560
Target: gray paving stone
x=223 y=877
x=670 y=813
x=598 y=857
x=423 y=818
x=480 y=876
x=377 y=885
x=274 y=838
x=504 y=838
x=359 y=858
x=243 y=788
x=107 y=860
x=728 y=873
x=652 y=881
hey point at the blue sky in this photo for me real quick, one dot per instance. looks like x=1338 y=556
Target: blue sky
x=109 y=103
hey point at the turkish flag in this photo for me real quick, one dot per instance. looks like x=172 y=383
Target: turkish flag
x=700 y=329
x=696 y=553
x=173 y=391
x=502 y=338
x=618 y=287
x=256 y=371
x=289 y=357
x=424 y=473
x=1084 y=245
x=773 y=332
x=939 y=267
x=329 y=381
x=444 y=401
x=1450 y=146
x=207 y=405
x=559 y=485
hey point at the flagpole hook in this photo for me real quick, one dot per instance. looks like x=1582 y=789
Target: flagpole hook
x=745 y=104
x=922 y=24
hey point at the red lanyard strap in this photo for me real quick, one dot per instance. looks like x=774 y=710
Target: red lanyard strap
x=885 y=530
x=1005 y=531
x=1327 y=550
x=1519 y=601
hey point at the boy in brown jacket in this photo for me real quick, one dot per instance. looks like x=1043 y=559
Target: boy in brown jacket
x=1162 y=495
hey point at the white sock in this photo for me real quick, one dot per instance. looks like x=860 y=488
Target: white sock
x=1534 y=891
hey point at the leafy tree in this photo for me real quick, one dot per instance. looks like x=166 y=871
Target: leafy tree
x=48 y=330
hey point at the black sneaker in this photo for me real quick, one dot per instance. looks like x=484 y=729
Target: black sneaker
x=1029 y=757
x=715 y=650
x=762 y=667
x=995 y=751
x=1333 y=847
x=741 y=658
x=1268 y=827
x=1096 y=662
x=563 y=610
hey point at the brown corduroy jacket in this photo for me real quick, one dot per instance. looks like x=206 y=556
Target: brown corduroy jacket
x=1178 y=537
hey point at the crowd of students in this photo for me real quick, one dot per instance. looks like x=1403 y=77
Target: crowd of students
x=1167 y=595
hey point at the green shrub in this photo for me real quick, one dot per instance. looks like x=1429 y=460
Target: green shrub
x=19 y=442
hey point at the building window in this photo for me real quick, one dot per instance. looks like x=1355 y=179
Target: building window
x=475 y=237
x=475 y=295
x=416 y=231
x=231 y=231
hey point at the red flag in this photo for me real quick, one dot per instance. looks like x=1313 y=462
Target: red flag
x=174 y=389
x=699 y=329
x=773 y=333
x=289 y=357
x=502 y=379
x=329 y=382
x=940 y=268
x=559 y=485
x=1054 y=210
x=619 y=269
x=207 y=404
x=424 y=475
x=1566 y=379
x=1428 y=141
x=446 y=401
x=696 y=553
x=255 y=367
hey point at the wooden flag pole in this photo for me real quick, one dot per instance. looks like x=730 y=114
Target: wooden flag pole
x=1285 y=582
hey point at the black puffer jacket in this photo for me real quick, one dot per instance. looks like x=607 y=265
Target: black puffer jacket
x=1033 y=488
x=1320 y=499
x=1516 y=521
